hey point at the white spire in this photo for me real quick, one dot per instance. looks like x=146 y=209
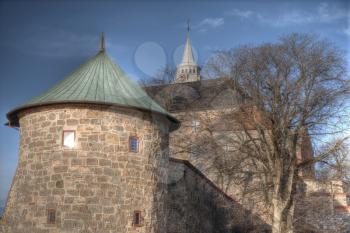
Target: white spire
x=187 y=58
x=187 y=70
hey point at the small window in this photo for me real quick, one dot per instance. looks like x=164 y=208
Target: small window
x=68 y=138
x=133 y=144
x=195 y=125
x=51 y=216
x=228 y=148
x=137 y=218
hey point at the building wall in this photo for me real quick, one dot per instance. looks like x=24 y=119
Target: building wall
x=322 y=207
x=232 y=172
x=197 y=205
x=96 y=186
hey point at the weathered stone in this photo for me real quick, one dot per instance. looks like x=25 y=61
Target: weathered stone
x=59 y=184
x=72 y=122
x=60 y=169
x=104 y=162
x=76 y=162
x=108 y=210
x=86 y=193
x=91 y=162
x=80 y=183
x=70 y=154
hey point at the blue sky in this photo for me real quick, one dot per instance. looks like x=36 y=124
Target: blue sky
x=43 y=41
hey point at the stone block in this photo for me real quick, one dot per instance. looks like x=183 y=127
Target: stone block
x=60 y=169
x=72 y=122
x=69 y=224
x=69 y=154
x=104 y=162
x=91 y=162
x=76 y=162
x=86 y=193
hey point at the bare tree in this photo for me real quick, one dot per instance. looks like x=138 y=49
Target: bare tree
x=294 y=93
x=337 y=165
x=165 y=75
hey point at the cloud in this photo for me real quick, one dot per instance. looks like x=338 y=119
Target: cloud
x=347 y=31
x=209 y=23
x=324 y=13
x=329 y=13
x=241 y=13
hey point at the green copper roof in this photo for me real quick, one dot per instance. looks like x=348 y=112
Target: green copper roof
x=98 y=81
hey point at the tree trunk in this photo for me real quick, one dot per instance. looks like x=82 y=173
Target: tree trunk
x=282 y=216
x=277 y=215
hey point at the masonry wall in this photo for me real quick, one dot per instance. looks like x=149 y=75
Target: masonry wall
x=96 y=186
x=196 y=205
x=231 y=172
x=322 y=207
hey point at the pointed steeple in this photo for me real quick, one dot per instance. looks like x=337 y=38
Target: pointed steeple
x=188 y=55
x=187 y=70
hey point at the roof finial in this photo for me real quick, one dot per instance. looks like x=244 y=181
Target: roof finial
x=102 y=45
x=188 y=25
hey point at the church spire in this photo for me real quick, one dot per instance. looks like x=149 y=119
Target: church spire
x=187 y=58
x=187 y=70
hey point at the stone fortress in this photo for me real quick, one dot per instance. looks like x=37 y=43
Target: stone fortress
x=98 y=154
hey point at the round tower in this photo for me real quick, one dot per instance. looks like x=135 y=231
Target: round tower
x=93 y=156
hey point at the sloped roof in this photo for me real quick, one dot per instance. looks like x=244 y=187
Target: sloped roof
x=98 y=81
x=200 y=95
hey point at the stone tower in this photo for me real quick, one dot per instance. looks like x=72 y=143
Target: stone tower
x=187 y=70
x=93 y=156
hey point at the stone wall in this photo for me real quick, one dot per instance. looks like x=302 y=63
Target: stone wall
x=232 y=172
x=96 y=186
x=196 y=205
x=322 y=207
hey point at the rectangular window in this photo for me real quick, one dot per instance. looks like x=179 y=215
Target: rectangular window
x=133 y=144
x=195 y=125
x=228 y=148
x=68 y=138
x=137 y=218
x=51 y=216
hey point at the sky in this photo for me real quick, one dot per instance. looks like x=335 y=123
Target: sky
x=43 y=41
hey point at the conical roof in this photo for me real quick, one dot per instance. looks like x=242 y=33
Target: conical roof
x=98 y=81
x=187 y=58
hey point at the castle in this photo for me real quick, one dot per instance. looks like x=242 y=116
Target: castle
x=100 y=154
